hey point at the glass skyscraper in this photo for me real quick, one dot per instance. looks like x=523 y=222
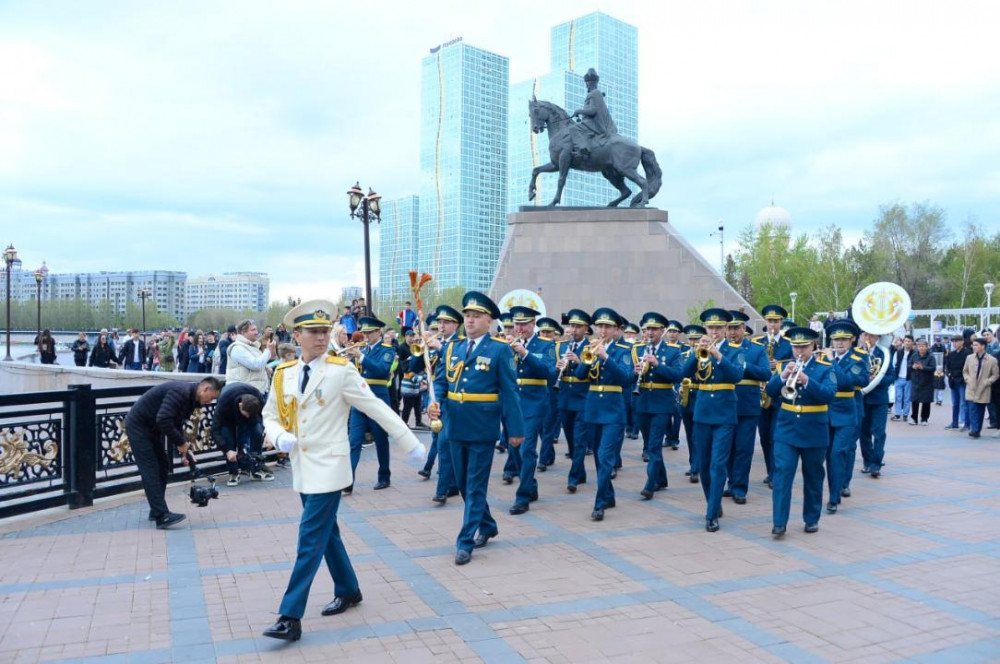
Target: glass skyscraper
x=463 y=164
x=398 y=242
x=609 y=46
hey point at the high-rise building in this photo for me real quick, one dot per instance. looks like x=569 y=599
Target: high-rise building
x=239 y=291
x=351 y=293
x=398 y=242
x=611 y=47
x=463 y=164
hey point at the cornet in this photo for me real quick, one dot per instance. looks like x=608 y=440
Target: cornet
x=417 y=348
x=589 y=354
x=790 y=390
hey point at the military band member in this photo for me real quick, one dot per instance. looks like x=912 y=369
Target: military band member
x=803 y=429
x=424 y=364
x=657 y=369
x=448 y=321
x=687 y=396
x=536 y=368
x=756 y=372
x=672 y=336
x=610 y=373
x=550 y=330
x=374 y=362
x=628 y=336
x=777 y=349
x=306 y=415
x=573 y=391
x=876 y=409
x=506 y=322
x=859 y=405
x=850 y=371
x=477 y=384
x=716 y=374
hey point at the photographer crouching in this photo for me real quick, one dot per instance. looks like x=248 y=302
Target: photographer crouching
x=238 y=430
x=159 y=415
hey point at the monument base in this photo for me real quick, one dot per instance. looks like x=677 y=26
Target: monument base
x=630 y=259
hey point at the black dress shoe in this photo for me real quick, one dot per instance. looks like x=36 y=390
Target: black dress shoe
x=726 y=493
x=720 y=512
x=778 y=531
x=767 y=480
x=694 y=478
x=614 y=474
x=740 y=500
x=687 y=472
x=453 y=492
x=645 y=458
x=533 y=498
x=382 y=484
x=646 y=494
x=831 y=508
x=426 y=474
x=440 y=500
x=348 y=491
x=169 y=519
x=812 y=527
x=876 y=473
x=482 y=540
x=597 y=515
x=519 y=508
x=865 y=470
x=571 y=488
x=508 y=479
x=712 y=525
x=341 y=604
x=973 y=434
x=501 y=449
x=152 y=517
x=462 y=557
x=609 y=505
x=845 y=492
x=286 y=629
x=663 y=486
x=568 y=455
x=675 y=446
x=542 y=467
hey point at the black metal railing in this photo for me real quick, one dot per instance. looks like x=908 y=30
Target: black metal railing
x=69 y=447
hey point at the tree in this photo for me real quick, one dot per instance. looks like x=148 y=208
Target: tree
x=910 y=241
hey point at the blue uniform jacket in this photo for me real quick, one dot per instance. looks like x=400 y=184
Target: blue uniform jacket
x=716 y=403
x=605 y=404
x=374 y=365
x=782 y=347
x=806 y=423
x=535 y=371
x=656 y=386
x=756 y=372
x=573 y=390
x=851 y=372
x=476 y=394
x=880 y=393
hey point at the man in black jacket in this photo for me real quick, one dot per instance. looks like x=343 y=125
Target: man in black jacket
x=159 y=415
x=133 y=352
x=954 y=363
x=238 y=430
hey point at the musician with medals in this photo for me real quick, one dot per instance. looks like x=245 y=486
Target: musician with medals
x=777 y=349
x=573 y=391
x=851 y=372
x=550 y=330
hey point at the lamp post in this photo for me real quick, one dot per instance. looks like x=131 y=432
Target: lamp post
x=989 y=300
x=142 y=294
x=9 y=257
x=793 y=295
x=40 y=275
x=365 y=208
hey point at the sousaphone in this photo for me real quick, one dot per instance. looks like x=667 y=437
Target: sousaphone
x=881 y=309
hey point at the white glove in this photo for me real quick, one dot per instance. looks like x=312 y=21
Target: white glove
x=286 y=442
x=419 y=452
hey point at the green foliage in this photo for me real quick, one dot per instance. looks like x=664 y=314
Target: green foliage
x=78 y=314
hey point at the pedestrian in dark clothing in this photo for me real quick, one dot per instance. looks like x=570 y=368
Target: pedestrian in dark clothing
x=133 y=353
x=238 y=430
x=156 y=422
x=46 y=347
x=922 y=368
x=227 y=339
x=81 y=348
x=183 y=349
x=103 y=356
x=954 y=364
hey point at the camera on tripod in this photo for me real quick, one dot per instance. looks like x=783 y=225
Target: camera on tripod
x=200 y=495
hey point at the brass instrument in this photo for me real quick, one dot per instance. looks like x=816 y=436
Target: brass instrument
x=704 y=354
x=685 y=394
x=790 y=389
x=589 y=354
x=765 y=398
x=417 y=348
x=346 y=350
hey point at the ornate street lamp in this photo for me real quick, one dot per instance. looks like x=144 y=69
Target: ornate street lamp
x=142 y=294
x=988 y=286
x=793 y=296
x=40 y=275
x=365 y=209
x=9 y=258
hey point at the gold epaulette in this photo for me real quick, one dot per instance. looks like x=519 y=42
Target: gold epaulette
x=387 y=345
x=757 y=341
x=758 y=337
x=336 y=359
x=673 y=345
x=626 y=346
x=860 y=350
x=285 y=365
x=856 y=357
x=500 y=339
x=822 y=360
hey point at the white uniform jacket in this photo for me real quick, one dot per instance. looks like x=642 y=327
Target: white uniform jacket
x=321 y=456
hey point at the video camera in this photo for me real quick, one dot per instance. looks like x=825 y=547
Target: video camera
x=200 y=495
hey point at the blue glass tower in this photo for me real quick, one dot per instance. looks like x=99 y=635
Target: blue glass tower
x=609 y=46
x=463 y=164
x=398 y=242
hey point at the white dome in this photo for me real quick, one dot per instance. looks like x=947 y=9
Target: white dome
x=775 y=215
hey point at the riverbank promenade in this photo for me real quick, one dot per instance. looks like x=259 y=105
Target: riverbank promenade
x=906 y=571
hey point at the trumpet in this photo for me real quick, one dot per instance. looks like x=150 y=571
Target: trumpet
x=346 y=350
x=789 y=390
x=589 y=354
x=417 y=348
x=704 y=352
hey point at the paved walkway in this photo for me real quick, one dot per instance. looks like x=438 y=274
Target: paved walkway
x=908 y=570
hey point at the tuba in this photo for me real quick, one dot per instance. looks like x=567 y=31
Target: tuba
x=881 y=309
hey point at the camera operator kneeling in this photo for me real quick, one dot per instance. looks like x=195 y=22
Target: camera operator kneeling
x=238 y=430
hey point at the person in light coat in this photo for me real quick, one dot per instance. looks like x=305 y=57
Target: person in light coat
x=980 y=372
x=306 y=415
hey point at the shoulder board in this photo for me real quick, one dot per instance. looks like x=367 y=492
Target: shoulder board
x=861 y=350
x=386 y=345
x=757 y=341
x=285 y=365
x=336 y=359
x=822 y=360
x=855 y=357
x=673 y=345
x=757 y=338
x=625 y=346
x=502 y=340
x=459 y=337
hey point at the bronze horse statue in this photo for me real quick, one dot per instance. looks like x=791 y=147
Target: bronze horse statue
x=617 y=159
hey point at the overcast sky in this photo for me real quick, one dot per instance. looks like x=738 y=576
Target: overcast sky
x=221 y=136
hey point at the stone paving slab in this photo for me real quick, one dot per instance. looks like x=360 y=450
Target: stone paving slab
x=906 y=571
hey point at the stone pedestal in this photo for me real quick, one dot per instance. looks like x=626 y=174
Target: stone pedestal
x=630 y=259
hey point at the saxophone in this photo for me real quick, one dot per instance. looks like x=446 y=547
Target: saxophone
x=765 y=400
x=685 y=393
